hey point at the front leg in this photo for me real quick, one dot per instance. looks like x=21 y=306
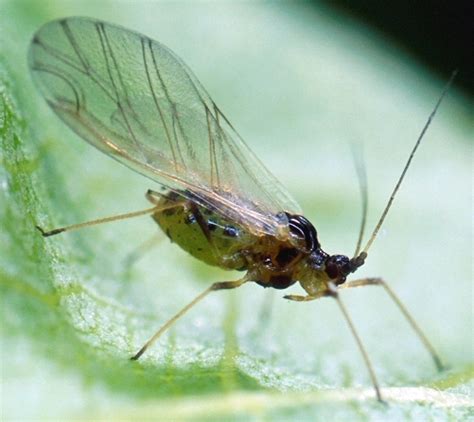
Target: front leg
x=332 y=291
x=300 y=298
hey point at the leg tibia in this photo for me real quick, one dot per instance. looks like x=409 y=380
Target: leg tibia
x=117 y=217
x=96 y=222
x=214 y=287
x=333 y=292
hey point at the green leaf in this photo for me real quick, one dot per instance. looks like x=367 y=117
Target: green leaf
x=74 y=308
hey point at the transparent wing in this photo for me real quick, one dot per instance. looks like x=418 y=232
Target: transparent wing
x=134 y=99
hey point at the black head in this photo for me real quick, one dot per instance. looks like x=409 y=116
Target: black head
x=338 y=267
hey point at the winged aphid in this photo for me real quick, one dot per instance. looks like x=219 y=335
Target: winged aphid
x=136 y=101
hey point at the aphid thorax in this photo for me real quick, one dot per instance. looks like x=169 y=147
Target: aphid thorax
x=314 y=268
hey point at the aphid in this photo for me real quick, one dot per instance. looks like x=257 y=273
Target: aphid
x=135 y=100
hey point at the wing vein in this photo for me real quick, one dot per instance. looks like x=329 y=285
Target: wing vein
x=103 y=41
x=171 y=103
x=157 y=105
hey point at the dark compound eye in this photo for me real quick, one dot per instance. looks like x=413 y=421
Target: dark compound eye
x=332 y=270
x=338 y=266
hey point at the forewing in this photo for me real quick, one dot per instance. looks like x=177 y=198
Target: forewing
x=135 y=100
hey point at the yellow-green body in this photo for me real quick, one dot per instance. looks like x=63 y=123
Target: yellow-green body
x=204 y=234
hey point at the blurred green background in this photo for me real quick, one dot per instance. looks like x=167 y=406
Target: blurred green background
x=301 y=84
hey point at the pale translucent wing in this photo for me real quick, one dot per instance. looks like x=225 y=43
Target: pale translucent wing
x=135 y=100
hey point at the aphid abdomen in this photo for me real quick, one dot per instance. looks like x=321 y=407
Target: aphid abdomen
x=204 y=234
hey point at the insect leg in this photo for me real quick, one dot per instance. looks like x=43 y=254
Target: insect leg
x=221 y=285
x=332 y=292
x=104 y=220
x=300 y=298
x=380 y=282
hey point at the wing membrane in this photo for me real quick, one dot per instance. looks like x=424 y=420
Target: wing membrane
x=134 y=99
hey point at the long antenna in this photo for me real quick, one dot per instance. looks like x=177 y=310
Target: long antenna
x=358 y=158
x=397 y=186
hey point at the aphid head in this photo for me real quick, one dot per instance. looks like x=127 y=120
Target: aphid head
x=338 y=267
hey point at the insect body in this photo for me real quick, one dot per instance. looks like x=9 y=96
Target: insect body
x=269 y=261
x=135 y=100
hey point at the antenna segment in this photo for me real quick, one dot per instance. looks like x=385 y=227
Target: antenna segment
x=412 y=153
